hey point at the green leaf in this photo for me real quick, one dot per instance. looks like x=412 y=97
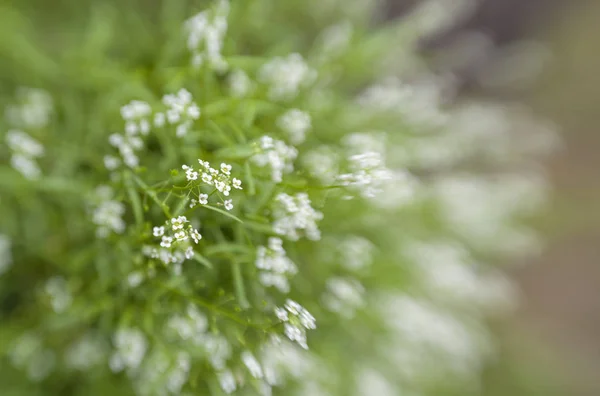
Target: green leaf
x=250 y=179
x=224 y=212
x=136 y=203
x=203 y=260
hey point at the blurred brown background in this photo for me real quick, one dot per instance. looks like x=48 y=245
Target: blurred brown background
x=556 y=334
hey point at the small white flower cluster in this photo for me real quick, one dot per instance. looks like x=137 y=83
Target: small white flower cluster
x=206 y=32
x=127 y=146
x=322 y=163
x=32 y=110
x=356 y=252
x=368 y=174
x=219 y=178
x=137 y=117
x=181 y=111
x=190 y=326
x=107 y=213
x=334 y=40
x=294 y=213
x=131 y=346
x=239 y=83
x=87 y=352
x=58 y=291
x=296 y=321
x=285 y=76
x=5 y=254
x=25 y=150
x=295 y=123
x=175 y=246
x=163 y=373
x=275 y=266
x=343 y=296
x=277 y=155
x=28 y=353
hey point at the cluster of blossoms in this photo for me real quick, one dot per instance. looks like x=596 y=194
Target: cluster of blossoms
x=175 y=246
x=275 y=266
x=32 y=110
x=220 y=179
x=294 y=216
x=286 y=76
x=343 y=296
x=275 y=154
x=107 y=213
x=130 y=348
x=163 y=373
x=296 y=320
x=295 y=123
x=58 y=292
x=30 y=354
x=181 y=112
x=323 y=164
x=25 y=150
x=206 y=32
x=239 y=83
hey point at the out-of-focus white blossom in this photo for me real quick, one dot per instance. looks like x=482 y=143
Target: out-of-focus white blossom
x=58 y=291
x=295 y=123
x=343 y=296
x=86 y=353
x=275 y=266
x=294 y=217
x=276 y=155
x=107 y=213
x=32 y=110
x=130 y=348
x=28 y=353
x=240 y=84
x=206 y=33
x=25 y=150
x=286 y=76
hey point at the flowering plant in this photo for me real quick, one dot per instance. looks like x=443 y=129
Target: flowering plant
x=235 y=200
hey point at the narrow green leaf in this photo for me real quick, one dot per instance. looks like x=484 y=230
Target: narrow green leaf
x=250 y=179
x=224 y=212
x=238 y=283
x=203 y=260
x=136 y=203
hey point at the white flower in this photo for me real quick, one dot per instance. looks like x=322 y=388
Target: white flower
x=203 y=199
x=60 y=297
x=195 y=236
x=227 y=381
x=276 y=155
x=295 y=123
x=285 y=76
x=158 y=231
x=111 y=163
x=130 y=345
x=294 y=213
x=193 y=203
x=252 y=364
x=135 y=279
x=239 y=83
x=237 y=183
x=33 y=109
x=343 y=296
x=228 y=204
x=181 y=235
x=178 y=223
x=207 y=178
x=296 y=321
x=21 y=143
x=166 y=242
x=191 y=175
x=159 y=120
x=189 y=253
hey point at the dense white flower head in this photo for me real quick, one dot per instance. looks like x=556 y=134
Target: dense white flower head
x=294 y=217
x=136 y=115
x=206 y=33
x=296 y=320
x=181 y=112
x=323 y=164
x=295 y=123
x=5 y=254
x=107 y=213
x=28 y=353
x=276 y=155
x=286 y=76
x=32 y=109
x=58 y=291
x=130 y=348
x=275 y=266
x=25 y=150
x=240 y=84
x=343 y=296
